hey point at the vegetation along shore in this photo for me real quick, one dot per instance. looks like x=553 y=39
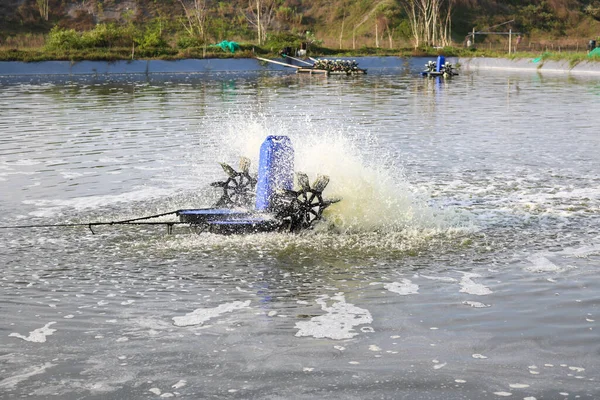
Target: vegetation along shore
x=74 y=30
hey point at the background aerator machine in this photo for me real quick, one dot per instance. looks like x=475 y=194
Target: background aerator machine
x=266 y=202
x=439 y=68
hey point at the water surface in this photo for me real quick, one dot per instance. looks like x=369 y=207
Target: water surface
x=460 y=264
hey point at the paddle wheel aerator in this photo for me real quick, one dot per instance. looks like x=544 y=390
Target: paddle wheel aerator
x=267 y=201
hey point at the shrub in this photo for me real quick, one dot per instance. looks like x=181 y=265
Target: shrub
x=281 y=40
x=107 y=35
x=151 y=36
x=186 y=42
x=64 y=39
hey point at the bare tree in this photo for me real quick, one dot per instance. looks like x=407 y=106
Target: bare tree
x=196 y=13
x=384 y=22
x=390 y=33
x=44 y=8
x=429 y=20
x=365 y=19
x=342 y=31
x=446 y=39
x=414 y=19
x=260 y=15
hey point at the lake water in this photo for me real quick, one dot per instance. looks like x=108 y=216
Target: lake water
x=462 y=262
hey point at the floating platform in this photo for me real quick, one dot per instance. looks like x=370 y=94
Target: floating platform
x=317 y=71
x=322 y=67
x=434 y=74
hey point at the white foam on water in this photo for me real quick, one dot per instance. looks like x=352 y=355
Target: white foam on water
x=11 y=382
x=26 y=162
x=310 y=242
x=518 y=385
x=338 y=323
x=529 y=198
x=201 y=315
x=439 y=278
x=38 y=335
x=503 y=394
x=475 y=304
x=581 y=252
x=468 y=286
x=403 y=288
x=479 y=356
x=179 y=384
x=50 y=207
x=541 y=264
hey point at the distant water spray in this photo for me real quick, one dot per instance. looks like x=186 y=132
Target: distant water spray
x=376 y=196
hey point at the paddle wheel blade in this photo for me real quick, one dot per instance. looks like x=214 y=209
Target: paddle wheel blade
x=320 y=183
x=303 y=181
x=229 y=170
x=245 y=165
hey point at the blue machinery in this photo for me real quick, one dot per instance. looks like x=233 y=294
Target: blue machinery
x=439 y=68
x=275 y=171
x=277 y=207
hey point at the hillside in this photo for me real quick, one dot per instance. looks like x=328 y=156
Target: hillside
x=334 y=23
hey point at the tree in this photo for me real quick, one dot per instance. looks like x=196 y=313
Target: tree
x=44 y=8
x=260 y=14
x=195 y=13
x=430 y=20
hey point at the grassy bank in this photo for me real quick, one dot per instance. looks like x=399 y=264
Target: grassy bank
x=111 y=42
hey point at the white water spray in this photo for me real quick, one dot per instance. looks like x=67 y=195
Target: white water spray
x=376 y=195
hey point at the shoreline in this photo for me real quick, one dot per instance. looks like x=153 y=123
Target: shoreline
x=221 y=65
x=527 y=64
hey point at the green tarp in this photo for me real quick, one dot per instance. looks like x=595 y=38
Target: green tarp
x=544 y=55
x=595 y=52
x=227 y=46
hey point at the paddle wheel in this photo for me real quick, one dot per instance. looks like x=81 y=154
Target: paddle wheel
x=277 y=205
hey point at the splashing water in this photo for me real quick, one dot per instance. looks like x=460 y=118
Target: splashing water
x=376 y=196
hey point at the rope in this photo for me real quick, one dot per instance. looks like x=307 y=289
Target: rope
x=133 y=221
